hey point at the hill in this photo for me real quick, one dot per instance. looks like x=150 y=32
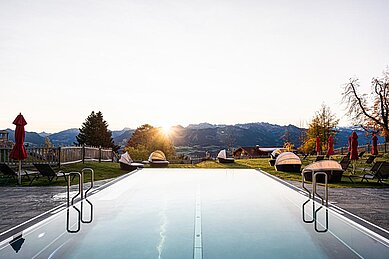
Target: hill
x=195 y=139
x=31 y=139
x=68 y=137
x=206 y=137
x=122 y=138
x=65 y=137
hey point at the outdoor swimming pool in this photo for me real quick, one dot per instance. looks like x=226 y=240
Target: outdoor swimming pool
x=196 y=213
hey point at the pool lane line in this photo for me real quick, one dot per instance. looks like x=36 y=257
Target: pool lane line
x=198 y=243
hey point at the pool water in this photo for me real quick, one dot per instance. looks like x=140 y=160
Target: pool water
x=197 y=213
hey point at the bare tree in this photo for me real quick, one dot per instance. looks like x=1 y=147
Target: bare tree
x=371 y=112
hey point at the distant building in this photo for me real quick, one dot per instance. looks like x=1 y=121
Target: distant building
x=246 y=152
x=4 y=141
x=254 y=152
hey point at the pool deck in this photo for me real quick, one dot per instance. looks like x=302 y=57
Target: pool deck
x=370 y=204
x=19 y=204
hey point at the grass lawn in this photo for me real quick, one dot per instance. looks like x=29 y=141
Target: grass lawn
x=263 y=164
x=107 y=170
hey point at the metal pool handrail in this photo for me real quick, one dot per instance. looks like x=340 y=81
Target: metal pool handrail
x=314 y=186
x=325 y=187
x=92 y=173
x=80 y=214
x=80 y=184
x=324 y=201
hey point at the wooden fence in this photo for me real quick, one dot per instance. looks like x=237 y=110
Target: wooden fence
x=60 y=155
x=382 y=148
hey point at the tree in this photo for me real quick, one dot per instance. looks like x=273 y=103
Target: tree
x=94 y=132
x=48 y=143
x=147 y=139
x=323 y=125
x=288 y=146
x=370 y=112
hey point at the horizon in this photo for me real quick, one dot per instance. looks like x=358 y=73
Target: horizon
x=172 y=63
x=194 y=124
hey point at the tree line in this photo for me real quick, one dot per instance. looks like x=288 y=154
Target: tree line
x=146 y=138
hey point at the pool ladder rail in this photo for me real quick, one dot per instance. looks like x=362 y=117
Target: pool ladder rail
x=70 y=202
x=80 y=184
x=324 y=201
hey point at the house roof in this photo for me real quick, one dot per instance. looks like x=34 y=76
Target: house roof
x=249 y=150
x=269 y=149
x=257 y=150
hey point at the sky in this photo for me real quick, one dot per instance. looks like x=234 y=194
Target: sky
x=184 y=62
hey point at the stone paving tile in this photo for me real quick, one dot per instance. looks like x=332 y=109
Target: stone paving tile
x=19 y=204
x=371 y=204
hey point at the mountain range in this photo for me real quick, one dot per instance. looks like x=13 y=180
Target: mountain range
x=198 y=138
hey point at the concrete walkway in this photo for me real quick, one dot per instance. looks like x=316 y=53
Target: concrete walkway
x=19 y=204
x=371 y=204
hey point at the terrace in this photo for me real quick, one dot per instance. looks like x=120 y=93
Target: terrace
x=247 y=189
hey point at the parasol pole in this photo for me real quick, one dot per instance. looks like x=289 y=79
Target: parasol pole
x=20 y=172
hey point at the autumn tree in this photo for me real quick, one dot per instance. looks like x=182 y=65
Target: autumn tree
x=369 y=111
x=48 y=143
x=94 y=132
x=323 y=125
x=147 y=139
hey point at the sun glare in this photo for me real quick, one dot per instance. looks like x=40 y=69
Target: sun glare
x=166 y=129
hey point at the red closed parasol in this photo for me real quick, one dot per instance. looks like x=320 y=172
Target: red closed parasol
x=18 y=151
x=374 y=147
x=354 y=149
x=318 y=145
x=349 y=143
x=354 y=146
x=330 y=149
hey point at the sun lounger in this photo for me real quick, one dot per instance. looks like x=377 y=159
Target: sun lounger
x=344 y=159
x=380 y=172
x=158 y=159
x=47 y=171
x=332 y=168
x=10 y=173
x=126 y=163
x=222 y=157
x=368 y=162
x=130 y=167
x=345 y=164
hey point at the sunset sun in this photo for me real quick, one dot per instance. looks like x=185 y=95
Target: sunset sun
x=166 y=129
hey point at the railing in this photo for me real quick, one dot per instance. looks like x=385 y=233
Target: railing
x=34 y=155
x=311 y=197
x=70 y=202
x=190 y=161
x=382 y=148
x=60 y=155
x=70 y=155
